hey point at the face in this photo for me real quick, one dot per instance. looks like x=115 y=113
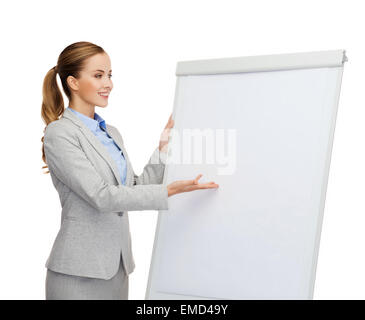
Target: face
x=95 y=80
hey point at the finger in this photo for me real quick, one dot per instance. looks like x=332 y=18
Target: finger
x=165 y=135
x=170 y=124
x=200 y=187
x=210 y=186
x=197 y=178
x=169 y=121
x=207 y=183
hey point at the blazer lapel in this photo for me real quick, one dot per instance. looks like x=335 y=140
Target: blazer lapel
x=121 y=147
x=95 y=142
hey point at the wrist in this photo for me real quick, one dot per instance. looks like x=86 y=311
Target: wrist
x=170 y=192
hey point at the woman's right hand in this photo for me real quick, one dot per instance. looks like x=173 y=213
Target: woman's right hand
x=181 y=186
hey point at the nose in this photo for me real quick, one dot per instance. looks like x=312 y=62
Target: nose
x=108 y=87
x=108 y=84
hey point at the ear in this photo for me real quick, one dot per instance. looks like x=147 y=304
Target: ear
x=73 y=83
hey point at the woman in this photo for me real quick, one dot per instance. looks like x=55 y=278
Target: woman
x=91 y=257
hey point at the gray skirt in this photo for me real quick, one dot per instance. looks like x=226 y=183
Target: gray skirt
x=60 y=286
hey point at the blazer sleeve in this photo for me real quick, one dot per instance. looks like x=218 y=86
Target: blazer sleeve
x=153 y=171
x=69 y=163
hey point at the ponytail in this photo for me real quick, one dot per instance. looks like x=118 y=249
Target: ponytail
x=52 y=105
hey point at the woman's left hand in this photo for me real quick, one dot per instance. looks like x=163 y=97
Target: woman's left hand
x=164 y=139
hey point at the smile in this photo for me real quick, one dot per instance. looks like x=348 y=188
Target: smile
x=104 y=95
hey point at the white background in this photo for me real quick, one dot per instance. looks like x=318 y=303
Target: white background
x=145 y=39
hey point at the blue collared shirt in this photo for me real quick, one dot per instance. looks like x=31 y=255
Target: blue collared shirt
x=98 y=128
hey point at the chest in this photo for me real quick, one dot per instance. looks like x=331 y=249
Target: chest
x=107 y=154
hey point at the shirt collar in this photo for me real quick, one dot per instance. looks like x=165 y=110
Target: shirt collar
x=92 y=124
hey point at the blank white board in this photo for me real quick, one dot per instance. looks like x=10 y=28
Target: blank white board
x=257 y=235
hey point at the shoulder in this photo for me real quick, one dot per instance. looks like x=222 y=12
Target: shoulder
x=61 y=128
x=111 y=127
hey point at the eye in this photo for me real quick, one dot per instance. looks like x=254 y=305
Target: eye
x=97 y=76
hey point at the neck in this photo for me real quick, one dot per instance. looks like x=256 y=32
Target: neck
x=82 y=107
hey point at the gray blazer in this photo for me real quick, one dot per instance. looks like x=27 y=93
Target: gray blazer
x=94 y=230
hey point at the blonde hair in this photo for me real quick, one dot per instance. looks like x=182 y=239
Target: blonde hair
x=70 y=62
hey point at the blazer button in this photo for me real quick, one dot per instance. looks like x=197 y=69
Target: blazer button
x=120 y=214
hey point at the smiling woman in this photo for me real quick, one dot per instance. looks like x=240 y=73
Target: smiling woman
x=91 y=257
x=85 y=72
